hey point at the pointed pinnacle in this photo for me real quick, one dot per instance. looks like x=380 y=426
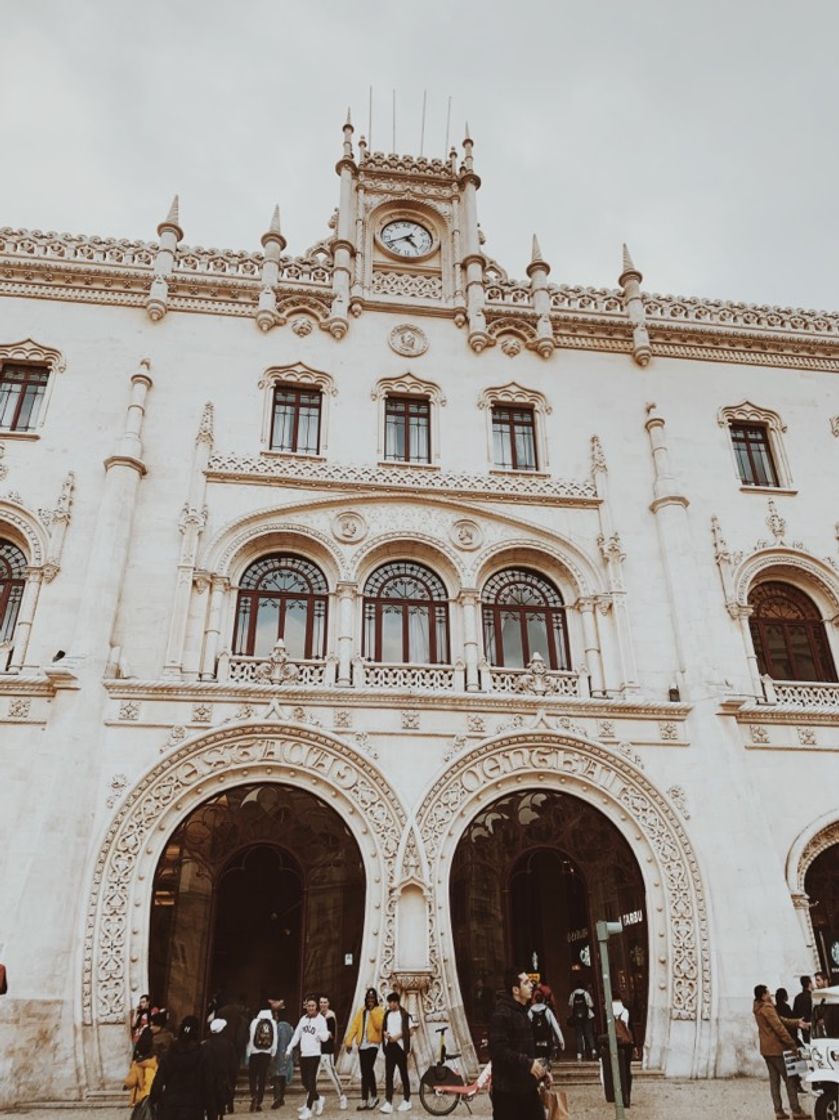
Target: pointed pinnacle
x=173 y=215
x=537 y=261
x=172 y=220
x=349 y=118
x=629 y=268
x=536 y=252
x=275 y=220
x=467 y=136
x=274 y=232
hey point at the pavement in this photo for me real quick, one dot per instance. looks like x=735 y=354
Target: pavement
x=735 y=1099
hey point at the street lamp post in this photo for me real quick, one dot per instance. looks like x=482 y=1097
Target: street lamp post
x=605 y=930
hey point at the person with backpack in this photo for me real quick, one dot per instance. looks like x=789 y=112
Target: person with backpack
x=310 y=1034
x=581 y=1007
x=547 y=1035
x=262 y=1046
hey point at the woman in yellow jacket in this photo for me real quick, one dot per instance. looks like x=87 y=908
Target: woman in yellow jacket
x=366 y=1030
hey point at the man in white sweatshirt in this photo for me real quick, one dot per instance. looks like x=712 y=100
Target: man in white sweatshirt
x=261 y=1048
x=309 y=1034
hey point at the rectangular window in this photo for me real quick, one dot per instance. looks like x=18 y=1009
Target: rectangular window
x=22 y=390
x=514 y=438
x=754 y=455
x=407 y=429
x=295 y=421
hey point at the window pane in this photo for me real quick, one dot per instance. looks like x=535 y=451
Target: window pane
x=489 y=637
x=537 y=635
x=502 y=448
x=9 y=396
x=243 y=615
x=803 y=662
x=559 y=640
x=441 y=635
x=419 y=437
x=764 y=468
x=511 y=639
x=7 y=622
x=370 y=630
x=294 y=627
x=525 y=449
x=775 y=649
x=308 y=429
x=419 y=645
x=283 y=432
x=30 y=407
x=391 y=633
x=394 y=437
x=318 y=630
x=267 y=626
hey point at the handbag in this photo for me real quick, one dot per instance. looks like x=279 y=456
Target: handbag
x=623 y=1035
x=555 y=1102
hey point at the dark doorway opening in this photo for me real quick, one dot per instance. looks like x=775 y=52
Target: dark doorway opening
x=822 y=886
x=531 y=875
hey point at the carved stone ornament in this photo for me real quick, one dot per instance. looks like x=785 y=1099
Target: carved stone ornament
x=834 y=425
x=349 y=526
x=277 y=669
x=537 y=679
x=119 y=897
x=4 y=470
x=466 y=535
x=407 y=340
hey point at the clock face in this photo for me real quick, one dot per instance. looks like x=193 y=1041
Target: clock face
x=408 y=239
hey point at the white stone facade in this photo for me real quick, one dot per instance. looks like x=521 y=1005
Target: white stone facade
x=162 y=362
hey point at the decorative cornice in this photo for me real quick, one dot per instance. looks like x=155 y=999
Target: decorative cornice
x=522 y=486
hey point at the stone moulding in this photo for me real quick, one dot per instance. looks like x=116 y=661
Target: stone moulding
x=115 y=951
x=680 y=952
x=349 y=476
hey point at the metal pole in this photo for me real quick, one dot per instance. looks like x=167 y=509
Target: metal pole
x=604 y=931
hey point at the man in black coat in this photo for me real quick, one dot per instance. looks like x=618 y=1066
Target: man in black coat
x=516 y=1073
x=802 y=1005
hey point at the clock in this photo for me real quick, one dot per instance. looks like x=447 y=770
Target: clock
x=406 y=238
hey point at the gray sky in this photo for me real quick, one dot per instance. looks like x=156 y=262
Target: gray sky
x=704 y=134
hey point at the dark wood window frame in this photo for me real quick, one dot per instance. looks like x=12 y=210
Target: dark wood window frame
x=316 y=598
x=754 y=453
x=12 y=583
x=508 y=421
x=297 y=397
x=402 y=409
x=790 y=612
x=30 y=381
x=435 y=601
x=553 y=608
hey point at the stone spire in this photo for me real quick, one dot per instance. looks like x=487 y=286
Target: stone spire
x=172 y=222
x=170 y=233
x=274 y=232
x=343 y=244
x=273 y=243
x=630 y=281
x=538 y=270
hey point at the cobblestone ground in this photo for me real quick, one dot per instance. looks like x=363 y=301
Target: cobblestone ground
x=742 y=1099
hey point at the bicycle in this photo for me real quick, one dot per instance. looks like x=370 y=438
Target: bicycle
x=442 y=1087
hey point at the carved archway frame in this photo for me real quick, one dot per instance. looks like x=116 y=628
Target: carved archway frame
x=114 y=968
x=816 y=838
x=680 y=998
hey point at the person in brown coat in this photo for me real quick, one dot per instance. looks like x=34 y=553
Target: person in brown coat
x=774 y=1037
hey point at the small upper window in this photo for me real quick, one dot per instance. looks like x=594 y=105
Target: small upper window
x=12 y=580
x=295 y=419
x=789 y=635
x=753 y=451
x=514 y=438
x=408 y=429
x=22 y=389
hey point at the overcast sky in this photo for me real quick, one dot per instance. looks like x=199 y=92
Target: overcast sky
x=702 y=133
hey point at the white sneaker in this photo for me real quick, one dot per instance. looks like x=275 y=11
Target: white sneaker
x=404 y=1107
x=306 y=1113
x=342 y=1101
x=386 y=1107
x=320 y=1104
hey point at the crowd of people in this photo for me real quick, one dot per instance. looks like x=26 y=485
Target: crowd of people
x=187 y=1078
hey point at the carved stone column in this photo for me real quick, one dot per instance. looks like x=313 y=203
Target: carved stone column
x=344 y=639
x=744 y=613
x=195 y=627
x=801 y=905
x=343 y=247
x=26 y=614
x=219 y=586
x=469 y=606
x=594 y=658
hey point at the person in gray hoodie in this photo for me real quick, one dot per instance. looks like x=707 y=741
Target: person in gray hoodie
x=261 y=1048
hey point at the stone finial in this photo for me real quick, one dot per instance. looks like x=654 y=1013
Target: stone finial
x=274 y=232
x=537 y=261
x=172 y=221
x=205 y=427
x=629 y=269
x=348 y=122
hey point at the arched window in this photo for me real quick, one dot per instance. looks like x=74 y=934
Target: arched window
x=281 y=596
x=524 y=614
x=406 y=615
x=789 y=635
x=12 y=580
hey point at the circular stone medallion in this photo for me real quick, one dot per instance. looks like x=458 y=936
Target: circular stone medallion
x=349 y=527
x=466 y=534
x=407 y=340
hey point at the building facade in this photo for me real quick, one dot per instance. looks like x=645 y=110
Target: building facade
x=372 y=617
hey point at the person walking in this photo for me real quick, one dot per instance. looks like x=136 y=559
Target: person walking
x=281 y=1068
x=581 y=1006
x=516 y=1071
x=802 y=1005
x=547 y=1035
x=327 y=1050
x=310 y=1034
x=179 y=1090
x=397 y=1039
x=626 y=1044
x=366 y=1029
x=774 y=1038
x=223 y=1070
x=262 y=1046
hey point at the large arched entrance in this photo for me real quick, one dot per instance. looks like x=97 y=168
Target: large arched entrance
x=532 y=873
x=259 y=891
x=821 y=885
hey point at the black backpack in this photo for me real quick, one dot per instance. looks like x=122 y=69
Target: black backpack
x=542 y=1034
x=579 y=1007
x=263 y=1035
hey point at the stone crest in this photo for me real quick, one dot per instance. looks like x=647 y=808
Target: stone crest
x=407 y=340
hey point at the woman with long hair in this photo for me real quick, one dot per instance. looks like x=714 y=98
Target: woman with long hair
x=366 y=1030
